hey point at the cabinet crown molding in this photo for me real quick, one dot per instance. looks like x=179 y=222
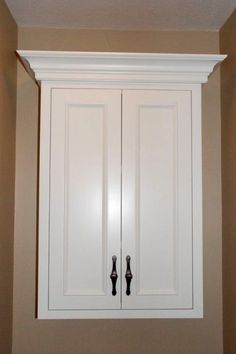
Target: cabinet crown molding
x=119 y=67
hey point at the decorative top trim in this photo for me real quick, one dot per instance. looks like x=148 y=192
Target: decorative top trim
x=122 y=67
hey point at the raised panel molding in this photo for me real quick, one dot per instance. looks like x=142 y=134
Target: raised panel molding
x=78 y=133
x=157 y=128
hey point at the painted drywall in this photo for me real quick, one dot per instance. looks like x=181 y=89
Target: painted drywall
x=32 y=336
x=8 y=45
x=228 y=94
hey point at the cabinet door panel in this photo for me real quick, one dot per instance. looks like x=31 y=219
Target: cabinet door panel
x=84 y=198
x=156 y=205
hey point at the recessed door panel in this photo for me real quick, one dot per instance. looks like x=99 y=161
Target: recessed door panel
x=85 y=198
x=156 y=204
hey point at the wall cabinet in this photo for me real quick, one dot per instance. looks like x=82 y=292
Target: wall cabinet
x=120 y=205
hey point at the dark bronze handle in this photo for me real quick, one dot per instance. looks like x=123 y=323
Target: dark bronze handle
x=114 y=275
x=128 y=275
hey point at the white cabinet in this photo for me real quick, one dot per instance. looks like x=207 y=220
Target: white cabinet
x=120 y=184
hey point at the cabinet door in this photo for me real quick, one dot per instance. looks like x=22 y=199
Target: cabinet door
x=156 y=204
x=84 y=198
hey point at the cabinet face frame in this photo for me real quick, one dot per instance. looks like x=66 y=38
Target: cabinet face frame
x=44 y=195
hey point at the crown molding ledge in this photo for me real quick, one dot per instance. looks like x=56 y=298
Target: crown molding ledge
x=114 y=67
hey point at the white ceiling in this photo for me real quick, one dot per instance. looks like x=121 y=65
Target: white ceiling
x=177 y=15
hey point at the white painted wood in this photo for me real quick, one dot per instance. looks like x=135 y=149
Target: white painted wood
x=43 y=311
x=163 y=91
x=156 y=202
x=109 y=67
x=44 y=201
x=84 y=198
x=197 y=201
x=197 y=311
x=122 y=314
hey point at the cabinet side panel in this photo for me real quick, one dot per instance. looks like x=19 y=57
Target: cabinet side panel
x=44 y=192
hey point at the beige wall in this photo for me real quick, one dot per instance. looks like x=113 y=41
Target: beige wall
x=32 y=336
x=228 y=79
x=8 y=44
